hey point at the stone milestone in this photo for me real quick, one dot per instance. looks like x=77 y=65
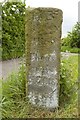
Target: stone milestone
x=43 y=34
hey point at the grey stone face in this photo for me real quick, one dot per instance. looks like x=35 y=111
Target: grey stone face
x=43 y=32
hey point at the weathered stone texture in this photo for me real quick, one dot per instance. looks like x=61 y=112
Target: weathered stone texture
x=43 y=32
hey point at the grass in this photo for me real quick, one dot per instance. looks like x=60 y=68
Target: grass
x=0 y=53
x=15 y=104
x=72 y=50
x=0 y=98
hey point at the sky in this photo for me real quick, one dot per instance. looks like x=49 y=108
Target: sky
x=69 y=8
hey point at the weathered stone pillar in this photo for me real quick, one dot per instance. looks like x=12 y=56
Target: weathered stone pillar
x=43 y=32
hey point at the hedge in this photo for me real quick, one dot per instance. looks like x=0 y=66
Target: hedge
x=13 y=30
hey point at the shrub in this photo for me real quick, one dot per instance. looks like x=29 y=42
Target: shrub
x=69 y=49
x=65 y=83
x=13 y=30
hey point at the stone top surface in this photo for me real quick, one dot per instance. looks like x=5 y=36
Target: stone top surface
x=45 y=9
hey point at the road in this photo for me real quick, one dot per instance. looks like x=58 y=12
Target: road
x=9 y=66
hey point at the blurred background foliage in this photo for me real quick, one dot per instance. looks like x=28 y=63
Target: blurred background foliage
x=72 y=41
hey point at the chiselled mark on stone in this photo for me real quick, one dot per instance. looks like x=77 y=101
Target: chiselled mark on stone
x=52 y=56
x=40 y=89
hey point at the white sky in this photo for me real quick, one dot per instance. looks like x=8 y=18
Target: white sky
x=69 y=8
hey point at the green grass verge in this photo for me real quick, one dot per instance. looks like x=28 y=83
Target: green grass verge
x=72 y=50
x=15 y=104
x=0 y=53
x=0 y=99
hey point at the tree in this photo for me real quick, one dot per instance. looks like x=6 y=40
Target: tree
x=73 y=38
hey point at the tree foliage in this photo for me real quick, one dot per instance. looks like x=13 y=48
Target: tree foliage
x=73 y=38
x=13 y=30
